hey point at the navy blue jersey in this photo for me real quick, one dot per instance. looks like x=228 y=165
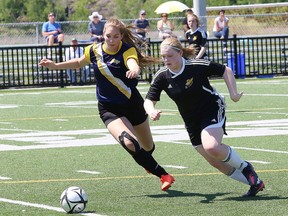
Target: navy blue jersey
x=190 y=88
x=110 y=69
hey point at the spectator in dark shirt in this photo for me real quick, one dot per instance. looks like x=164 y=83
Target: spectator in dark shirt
x=141 y=24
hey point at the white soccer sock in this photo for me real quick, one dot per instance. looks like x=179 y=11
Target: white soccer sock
x=234 y=160
x=238 y=176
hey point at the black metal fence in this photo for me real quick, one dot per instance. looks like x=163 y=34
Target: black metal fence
x=247 y=56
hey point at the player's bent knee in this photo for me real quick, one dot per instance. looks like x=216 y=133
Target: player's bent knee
x=124 y=135
x=212 y=151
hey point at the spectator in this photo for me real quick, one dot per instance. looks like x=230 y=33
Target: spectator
x=196 y=36
x=117 y=63
x=52 y=31
x=95 y=27
x=141 y=24
x=185 y=22
x=74 y=51
x=165 y=27
x=221 y=29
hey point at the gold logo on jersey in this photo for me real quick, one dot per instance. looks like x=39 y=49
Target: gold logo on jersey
x=189 y=82
x=194 y=38
x=114 y=61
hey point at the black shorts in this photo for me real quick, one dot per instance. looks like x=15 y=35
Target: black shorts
x=212 y=116
x=133 y=110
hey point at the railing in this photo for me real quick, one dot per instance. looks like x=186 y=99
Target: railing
x=247 y=56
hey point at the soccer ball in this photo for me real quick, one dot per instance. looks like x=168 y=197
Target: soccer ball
x=73 y=199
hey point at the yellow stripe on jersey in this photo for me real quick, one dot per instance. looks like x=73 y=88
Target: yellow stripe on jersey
x=103 y=68
x=87 y=53
x=130 y=53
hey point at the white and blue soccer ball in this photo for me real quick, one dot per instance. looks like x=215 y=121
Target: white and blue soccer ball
x=73 y=200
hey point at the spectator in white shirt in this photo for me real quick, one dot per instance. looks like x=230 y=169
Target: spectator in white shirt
x=221 y=29
x=74 y=51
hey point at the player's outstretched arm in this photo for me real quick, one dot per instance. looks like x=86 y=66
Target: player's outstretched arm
x=70 y=64
x=231 y=85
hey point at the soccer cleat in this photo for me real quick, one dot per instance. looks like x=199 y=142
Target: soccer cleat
x=166 y=180
x=254 y=189
x=250 y=174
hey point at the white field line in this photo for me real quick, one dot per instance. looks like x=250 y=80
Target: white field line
x=260 y=162
x=30 y=139
x=261 y=95
x=88 y=172
x=267 y=113
x=4 y=178
x=175 y=167
x=261 y=150
x=17 y=202
x=244 y=148
x=20 y=92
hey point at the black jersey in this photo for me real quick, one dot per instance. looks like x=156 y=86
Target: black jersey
x=190 y=88
x=198 y=38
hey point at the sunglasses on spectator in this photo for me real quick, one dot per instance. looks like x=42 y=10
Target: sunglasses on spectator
x=164 y=16
x=95 y=17
x=143 y=14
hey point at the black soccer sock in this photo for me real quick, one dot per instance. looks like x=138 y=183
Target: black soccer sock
x=147 y=161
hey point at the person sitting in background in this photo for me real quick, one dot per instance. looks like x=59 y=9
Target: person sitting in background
x=141 y=24
x=185 y=22
x=165 y=27
x=196 y=36
x=74 y=51
x=221 y=29
x=95 y=27
x=52 y=31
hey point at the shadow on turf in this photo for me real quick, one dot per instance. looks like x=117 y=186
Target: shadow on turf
x=174 y=193
x=88 y=212
x=260 y=198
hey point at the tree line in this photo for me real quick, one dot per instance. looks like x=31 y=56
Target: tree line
x=36 y=11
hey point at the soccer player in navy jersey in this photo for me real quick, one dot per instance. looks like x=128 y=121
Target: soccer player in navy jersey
x=117 y=63
x=202 y=108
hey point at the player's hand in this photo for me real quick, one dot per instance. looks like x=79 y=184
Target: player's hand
x=236 y=97
x=132 y=74
x=47 y=63
x=155 y=115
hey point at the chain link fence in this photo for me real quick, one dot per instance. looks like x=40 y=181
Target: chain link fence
x=241 y=25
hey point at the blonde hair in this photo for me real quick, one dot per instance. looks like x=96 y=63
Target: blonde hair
x=174 y=43
x=130 y=38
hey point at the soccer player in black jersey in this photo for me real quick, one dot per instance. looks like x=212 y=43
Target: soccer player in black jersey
x=201 y=107
x=196 y=36
x=117 y=62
